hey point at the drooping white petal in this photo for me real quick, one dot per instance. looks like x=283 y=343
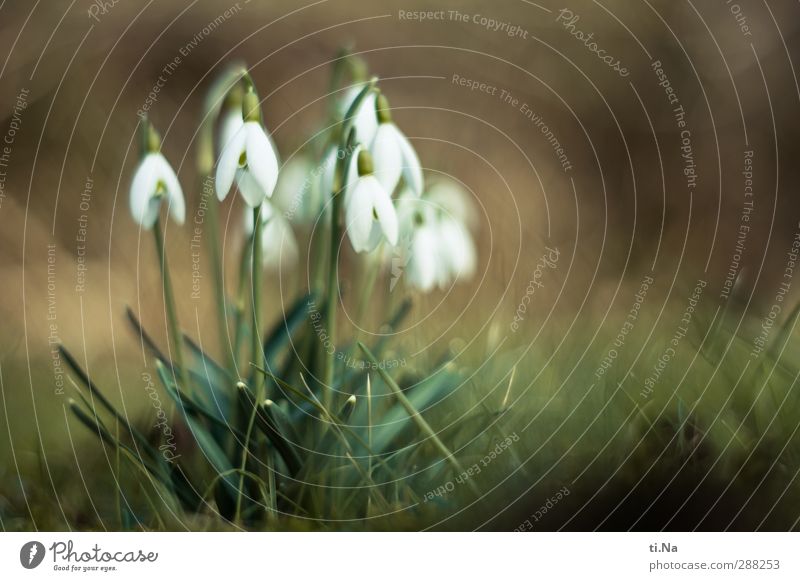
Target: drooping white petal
x=229 y=126
x=352 y=174
x=409 y=207
x=458 y=249
x=423 y=267
x=366 y=120
x=229 y=163
x=358 y=214
x=383 y=207
x=262 y=160
x=387 y=156
x=411 y=167
x=250 y=189
x=174 y=192
x=453 y=200
x=144 y=208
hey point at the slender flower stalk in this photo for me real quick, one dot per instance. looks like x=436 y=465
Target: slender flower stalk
x=241 y=301
x=169 y=305
x=346 y=147
x=211 y=221
x=222 y=107
x=153 y=182
x=257 y=266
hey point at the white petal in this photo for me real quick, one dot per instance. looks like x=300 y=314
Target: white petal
x=352 y=174
x=387 y=216
x=422 y=266
x=174 y=192
x=454 y=200
x=229 y=163
x=250 y=189
x=366 y=120
x=460 y=255
x=358 y=214
x=143 y=188
x=387 y=156
x=262 y=161
x=411 y=167
x=229 y=126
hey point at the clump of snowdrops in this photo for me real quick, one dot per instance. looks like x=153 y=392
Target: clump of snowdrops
x=282 y=424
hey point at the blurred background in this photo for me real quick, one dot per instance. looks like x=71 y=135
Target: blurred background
x=518 y=100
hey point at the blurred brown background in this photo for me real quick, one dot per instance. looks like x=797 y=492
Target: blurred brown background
x=622 y=210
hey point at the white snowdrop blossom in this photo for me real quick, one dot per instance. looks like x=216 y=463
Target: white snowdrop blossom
x=369 y=213
x=458 y=254
x=451 y=197
x=248 y=158
x=436 y=247
x=231 y=122
x=365 y=121
x=154 y=181
x=425 y=266
x=393 y=154
x=278 y=243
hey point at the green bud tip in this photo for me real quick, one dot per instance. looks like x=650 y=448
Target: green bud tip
x=251 y=108
x=152 y=139
x=233 y=98
x=241 y=385
x=351 y=400
x=268 y=402
x=365 y=165
x=382 y=110
x=247 y=80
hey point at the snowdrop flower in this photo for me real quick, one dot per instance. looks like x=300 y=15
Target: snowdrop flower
x=225 y=87
x=393 y=154
x=369 y=212
x=436 y=246
x=365 y=121
x=451 y=197
x=278 y=242
x=153 y=182
x=423 y=261
x=249 y=158
x=231 y=119
x=457 y=250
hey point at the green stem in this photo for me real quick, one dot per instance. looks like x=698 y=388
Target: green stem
x=416 y=417
x=258 y=351
x=212 y=227
x=241 y=303
x=333 y=291
x=373 y=268
x=347 y=145
x=243 y=465
x=169 y=304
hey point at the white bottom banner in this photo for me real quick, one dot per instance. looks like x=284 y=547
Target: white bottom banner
x=333 y=556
